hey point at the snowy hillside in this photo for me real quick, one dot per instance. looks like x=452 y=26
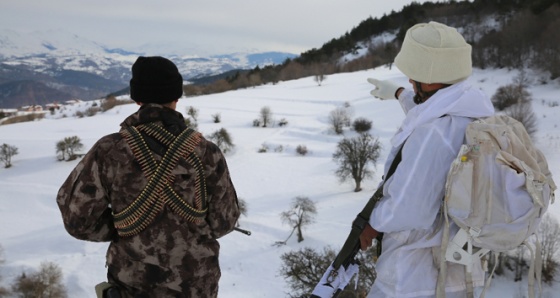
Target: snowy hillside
x=31 y=229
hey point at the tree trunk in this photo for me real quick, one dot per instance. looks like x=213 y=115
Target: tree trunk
x=299 y=234
x=358 y=186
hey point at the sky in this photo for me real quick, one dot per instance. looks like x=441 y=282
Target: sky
x=31 y=228
x=199 y=26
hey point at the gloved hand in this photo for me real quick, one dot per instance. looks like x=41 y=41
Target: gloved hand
x=384 y=89
x=326 y=288
x=367 y=236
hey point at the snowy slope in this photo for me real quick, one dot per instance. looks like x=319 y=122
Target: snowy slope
x=31 y=229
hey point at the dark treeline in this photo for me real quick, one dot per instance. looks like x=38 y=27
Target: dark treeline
x=504 y=34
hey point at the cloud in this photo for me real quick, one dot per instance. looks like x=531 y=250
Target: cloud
x=210 y=25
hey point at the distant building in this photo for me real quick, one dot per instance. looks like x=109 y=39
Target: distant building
x=52 y=106
x=72 y=101
x=31 y=108
x=7 y=112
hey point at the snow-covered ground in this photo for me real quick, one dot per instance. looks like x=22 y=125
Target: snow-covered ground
x=31 y=229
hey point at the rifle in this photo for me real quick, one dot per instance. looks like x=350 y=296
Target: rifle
x=349 y=250
x=246 y=232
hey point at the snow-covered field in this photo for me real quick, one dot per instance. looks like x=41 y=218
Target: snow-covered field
x=31 y=229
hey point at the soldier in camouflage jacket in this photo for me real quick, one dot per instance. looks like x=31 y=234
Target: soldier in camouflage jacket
x=163 y=226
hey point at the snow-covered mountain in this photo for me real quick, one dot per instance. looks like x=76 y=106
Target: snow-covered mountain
x=47 y=56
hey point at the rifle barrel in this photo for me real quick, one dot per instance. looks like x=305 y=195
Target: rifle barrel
x=246 y=232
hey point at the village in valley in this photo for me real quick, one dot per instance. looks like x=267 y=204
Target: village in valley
x=70 y=108
x=35 y=111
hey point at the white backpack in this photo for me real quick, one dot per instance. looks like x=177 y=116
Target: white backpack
x=497 y=191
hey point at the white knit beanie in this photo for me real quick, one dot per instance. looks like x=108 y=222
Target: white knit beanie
x=434 y=53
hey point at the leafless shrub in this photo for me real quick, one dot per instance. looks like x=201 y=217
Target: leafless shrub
x=23 y=118
x=3 y=291
x=6 y=154
x=301 y=150
x=217 y=118
x=361 y=125
x=549 y=235
x=509 y=95
x=282 y=122
x=338 y=118
x=91 y=111
x=45 y=283
x=67 y=148
x=264 y=148
x=523 y=112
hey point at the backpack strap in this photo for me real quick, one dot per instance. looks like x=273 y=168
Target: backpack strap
x=158 y=191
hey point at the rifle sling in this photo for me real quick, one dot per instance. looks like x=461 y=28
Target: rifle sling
x=351 y=246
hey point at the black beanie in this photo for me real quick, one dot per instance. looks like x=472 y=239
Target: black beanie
x=155 y=80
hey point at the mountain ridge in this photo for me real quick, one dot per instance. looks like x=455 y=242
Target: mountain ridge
x=49 y=57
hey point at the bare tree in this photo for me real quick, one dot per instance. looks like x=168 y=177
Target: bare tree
x=223 y=140
x=549 y=234
x=6 y=154
x=499 y=263
x=353 y=155
x=45 y=283
x=265 y=116
x=193 y=113
x=300 y=215
x=522 y=79
x=519 y=263
x=190 y=123
x=319 y=78
x=304 y=268
x=68 y=147
x=61 y=148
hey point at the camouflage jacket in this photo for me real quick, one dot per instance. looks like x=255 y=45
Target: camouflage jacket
x=172 y=256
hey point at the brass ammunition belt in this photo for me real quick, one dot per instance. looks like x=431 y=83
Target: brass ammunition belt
x=158 y=191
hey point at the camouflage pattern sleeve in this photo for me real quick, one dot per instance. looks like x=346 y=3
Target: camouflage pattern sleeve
x=223 y=209
x=83 y=201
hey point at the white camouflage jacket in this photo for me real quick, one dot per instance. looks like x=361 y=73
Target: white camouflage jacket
x=432 y=134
